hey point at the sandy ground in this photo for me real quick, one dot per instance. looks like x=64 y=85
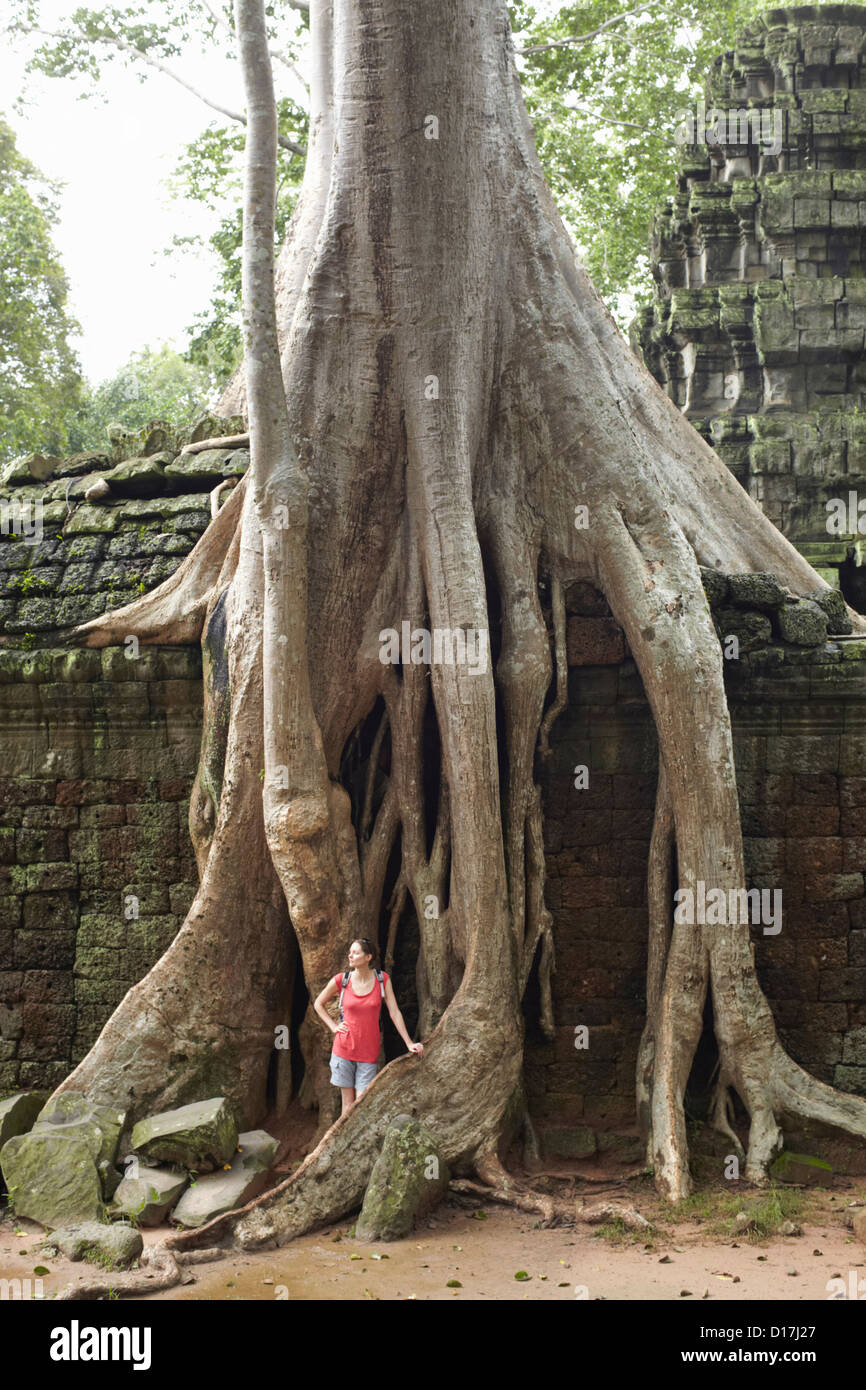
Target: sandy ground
x=675 y=1262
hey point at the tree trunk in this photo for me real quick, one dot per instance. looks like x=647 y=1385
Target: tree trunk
x=447 y=391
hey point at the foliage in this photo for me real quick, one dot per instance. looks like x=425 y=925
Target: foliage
x=605 y=112
x=39 y=373
x=166 y=39
x=153 y=385
x=210 y=172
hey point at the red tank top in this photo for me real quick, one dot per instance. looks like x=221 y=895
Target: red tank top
x=361 y=1015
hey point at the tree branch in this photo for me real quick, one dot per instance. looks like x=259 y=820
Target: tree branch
x=597 y=116
x=591 y=34
x=156 y=63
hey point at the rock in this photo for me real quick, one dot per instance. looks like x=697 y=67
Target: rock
x=761 y=591
x=91 y=461
x=29 y=468
x=18 y=1113
x=802 y=623
x=715 y=587
x=226 y=1190
x=743 y=1222
x=854 y=1048
x=788 y=1228
x=52 y=1177
x=586 y=601
x=802 y=1168
x=199 y=1137
x=624 y=1148
x=831 y=602
x=202 y=470
x=150 y=1196
x=409 y=1178
x=594 y=642
x=113 y=1247
x=152 y=438
x=97 y=491
x=72 y=1113
x=752 y=630
x=141 y=477
x=109 y=1177
x=215 y=427
x=577 y=1141
x=859 y=1224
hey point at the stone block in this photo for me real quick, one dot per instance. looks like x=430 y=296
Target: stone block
x=148 y=1194
x=409 y=1179
x=198 y=1137
x=52 y=1178
x=233 y=1186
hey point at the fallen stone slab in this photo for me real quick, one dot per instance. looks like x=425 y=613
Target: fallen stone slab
x=803 y=1169
x=18 y=1113
x=72 y=1113
x=409 y=1178
x=238 y=1183
x=52 y=1177
x=859 y=1224
x=150 y=1196
x=113 y=1247
x=199 y=1137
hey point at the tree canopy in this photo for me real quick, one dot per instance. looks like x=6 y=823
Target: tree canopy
x=603 y=81
x=154 y=383
x=40 y=381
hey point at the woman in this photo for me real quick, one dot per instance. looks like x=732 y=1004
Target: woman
x=355 y=1056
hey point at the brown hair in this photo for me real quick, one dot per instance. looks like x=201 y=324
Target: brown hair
x=369 y=948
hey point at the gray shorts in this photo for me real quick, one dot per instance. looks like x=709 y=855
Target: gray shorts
x=356 y=1074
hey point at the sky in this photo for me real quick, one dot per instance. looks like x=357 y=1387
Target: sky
x=116 y=215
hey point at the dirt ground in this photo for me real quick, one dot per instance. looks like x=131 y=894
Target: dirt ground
x=693 y=1256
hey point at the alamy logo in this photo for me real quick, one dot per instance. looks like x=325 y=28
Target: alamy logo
x=856 y=1288
x=22 y=519
x=714 y=907
x=18 y=1289
x=443 y=646
x=745 y=126
x=76 y=1343
x=846 y=518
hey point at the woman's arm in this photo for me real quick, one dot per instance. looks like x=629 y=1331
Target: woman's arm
x=329 y=992
x=397 y=1019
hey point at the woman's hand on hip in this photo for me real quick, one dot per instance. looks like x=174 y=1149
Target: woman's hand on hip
x=341 y=1028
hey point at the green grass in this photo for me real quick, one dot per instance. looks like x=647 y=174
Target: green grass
x=717 y=1210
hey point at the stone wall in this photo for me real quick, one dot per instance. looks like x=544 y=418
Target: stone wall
x=98 y=753
x=757 y=326
x=799 y=718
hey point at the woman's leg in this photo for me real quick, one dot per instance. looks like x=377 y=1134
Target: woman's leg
x=365 y=1073
x=348 y=1094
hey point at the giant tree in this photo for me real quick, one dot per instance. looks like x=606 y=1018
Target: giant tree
x=438 y=401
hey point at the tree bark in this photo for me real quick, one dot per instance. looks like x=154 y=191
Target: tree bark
x=437 y=392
